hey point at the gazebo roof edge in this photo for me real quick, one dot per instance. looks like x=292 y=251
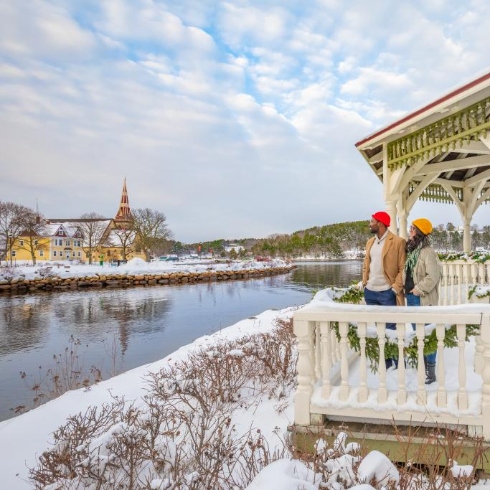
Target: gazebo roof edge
x=425 y=108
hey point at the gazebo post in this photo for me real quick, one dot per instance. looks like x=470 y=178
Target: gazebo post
x=467 y=235
x=402 y=214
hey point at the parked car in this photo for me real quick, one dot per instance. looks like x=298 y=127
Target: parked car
x=168 y=258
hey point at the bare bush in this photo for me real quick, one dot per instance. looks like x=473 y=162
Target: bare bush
x=67 y=373
x=182 y=435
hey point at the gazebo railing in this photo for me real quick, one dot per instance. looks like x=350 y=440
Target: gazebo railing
x=337 y=382
x=458 y=277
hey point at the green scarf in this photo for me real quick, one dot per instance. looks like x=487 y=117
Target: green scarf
x=412 y=258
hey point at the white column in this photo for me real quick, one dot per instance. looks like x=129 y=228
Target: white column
x=390 y=199
x=391 y=210
x=467 y=235
x=402 y=214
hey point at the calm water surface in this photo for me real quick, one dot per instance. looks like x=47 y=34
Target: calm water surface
x=121 y=329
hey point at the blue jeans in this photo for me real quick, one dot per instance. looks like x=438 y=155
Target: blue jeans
x=413 y=300
x=381 y=298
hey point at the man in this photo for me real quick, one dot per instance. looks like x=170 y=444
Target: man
x=383 y=268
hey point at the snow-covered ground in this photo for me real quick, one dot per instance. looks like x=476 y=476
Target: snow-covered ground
x=24 y=438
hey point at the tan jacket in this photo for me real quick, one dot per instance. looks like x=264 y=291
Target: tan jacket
x=426 y=277
x=393 y=257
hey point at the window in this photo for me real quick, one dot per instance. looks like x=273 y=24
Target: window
x=54 y=253
x=41 y=253
x=79 y=254
x=67 y=242
x=35 y=243
x=13 y=253
x=73 y=254
x=21 y=243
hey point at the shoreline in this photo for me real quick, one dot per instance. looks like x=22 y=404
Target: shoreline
x=20 y=285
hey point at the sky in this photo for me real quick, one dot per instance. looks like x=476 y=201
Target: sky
x=26 y=436
x=236 y=119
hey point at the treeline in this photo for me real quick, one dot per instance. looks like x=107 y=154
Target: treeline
x=329 y=241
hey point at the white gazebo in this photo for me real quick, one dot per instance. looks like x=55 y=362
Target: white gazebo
x=439 y=153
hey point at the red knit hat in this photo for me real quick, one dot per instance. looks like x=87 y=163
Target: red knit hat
x=382 y=217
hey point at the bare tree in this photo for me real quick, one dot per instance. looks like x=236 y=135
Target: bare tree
x=93 y=228
x=152 y=232
x=34 y=228
x=123 y=236
x=11 y=225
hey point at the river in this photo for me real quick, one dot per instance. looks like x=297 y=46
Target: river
x=116 y=330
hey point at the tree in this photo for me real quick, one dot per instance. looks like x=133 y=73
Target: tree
x=152 y=232
x=93 y=228
x=34 y=229
x=11 y=225
x=123 y=237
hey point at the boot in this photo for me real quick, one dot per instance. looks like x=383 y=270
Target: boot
x=430 y=373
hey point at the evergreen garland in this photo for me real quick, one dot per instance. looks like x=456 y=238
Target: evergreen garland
x=353 y=295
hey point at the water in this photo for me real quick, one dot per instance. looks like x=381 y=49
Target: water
x=120 y=329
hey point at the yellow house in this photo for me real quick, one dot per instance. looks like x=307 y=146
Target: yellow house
x=57 y=242
x=63 y=239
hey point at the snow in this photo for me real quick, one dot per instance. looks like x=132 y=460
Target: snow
x=134 y=267
x=25 y=437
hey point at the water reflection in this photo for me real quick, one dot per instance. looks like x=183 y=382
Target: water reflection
x=124 y=328
x=22 y=325
x=325 y=274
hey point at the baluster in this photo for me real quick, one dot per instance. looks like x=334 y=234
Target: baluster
x=382 y=391
x=450 y=284
x=363 y=390
x=305 y=372
x=402 y=392
x=444 y=285
x=334 y=350
x=459 y=277
x=441 y=376
x=462 y=391
x=481 y=279
x=474 y=275
x=465 y=271
x=478 y=360
x=344 y=365
x=421 y=392
x=327 y=361
x=318 y=352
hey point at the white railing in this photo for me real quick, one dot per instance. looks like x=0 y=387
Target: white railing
x=458 y=276
x=337 y=383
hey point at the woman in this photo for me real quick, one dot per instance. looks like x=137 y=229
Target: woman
x=421 y=278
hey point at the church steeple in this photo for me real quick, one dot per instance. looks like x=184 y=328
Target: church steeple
x=124 y=211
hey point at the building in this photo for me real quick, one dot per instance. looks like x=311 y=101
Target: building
x=80 y=239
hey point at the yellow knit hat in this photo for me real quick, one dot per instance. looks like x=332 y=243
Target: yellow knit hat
x=423 y=224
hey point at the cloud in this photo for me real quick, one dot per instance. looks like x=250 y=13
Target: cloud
x=234 y=118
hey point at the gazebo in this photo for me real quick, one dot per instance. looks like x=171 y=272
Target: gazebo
x=439 y=153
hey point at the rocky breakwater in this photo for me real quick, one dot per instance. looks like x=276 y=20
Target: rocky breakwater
x=55 y=283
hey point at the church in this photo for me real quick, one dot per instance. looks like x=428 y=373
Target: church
x=84 y=240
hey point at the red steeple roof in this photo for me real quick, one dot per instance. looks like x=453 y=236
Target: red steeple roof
x=124 y=211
